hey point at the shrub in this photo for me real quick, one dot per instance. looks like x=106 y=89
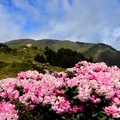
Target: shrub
x=88 y=91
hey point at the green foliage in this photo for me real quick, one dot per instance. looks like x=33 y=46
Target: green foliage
x=23 y=66
x=2 y=64
x=51 y=56
x=110 y=61
x=39 y=112
x=3 y=45
x=63 y=57
x=24 y=111
x=70 y=94
x=12 y=69
x=89 y=50
x=4 y=48
x=15 y=60
x=39 y=58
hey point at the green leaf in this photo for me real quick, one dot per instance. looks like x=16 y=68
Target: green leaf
x=50 y=109
x=94 y=114
x=75 y=97
x=104 y=118
x=71 y=101
x=101 y=113
x=63 y=118
x=78 y=116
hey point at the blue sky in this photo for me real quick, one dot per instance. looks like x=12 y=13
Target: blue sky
x=93 y=21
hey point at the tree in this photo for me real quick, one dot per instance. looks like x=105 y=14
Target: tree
x=39 y=58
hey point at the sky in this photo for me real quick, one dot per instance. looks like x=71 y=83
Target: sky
x=91 y=21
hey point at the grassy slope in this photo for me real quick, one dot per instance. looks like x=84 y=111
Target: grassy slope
x=13 y=62
x=53 y=44
x=101 y=52
x=98 y=52
x=19 y=43
x=88 y=49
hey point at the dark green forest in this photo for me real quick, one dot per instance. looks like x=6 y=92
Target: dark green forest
x=64 y=57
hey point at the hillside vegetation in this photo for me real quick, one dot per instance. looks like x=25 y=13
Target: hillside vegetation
x=16 y=56
x=97 y=52
x=12 y=61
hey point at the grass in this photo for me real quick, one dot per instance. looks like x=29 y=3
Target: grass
x=11 y=63
x=12 y=69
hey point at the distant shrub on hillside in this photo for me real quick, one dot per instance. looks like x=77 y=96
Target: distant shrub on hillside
x=4 y=48
x=2 y=64
x=39 y=58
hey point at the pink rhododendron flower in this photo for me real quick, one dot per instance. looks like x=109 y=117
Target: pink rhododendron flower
x=95 y=99
x=112 y=110
x=76 y=108
x=90 y=80
x=7 y=111
x=61 y=105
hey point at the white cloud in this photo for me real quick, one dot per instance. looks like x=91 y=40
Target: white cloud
x=111 y=37
x=29 y=11
x=84 y=20
x=8 y=28
x=116 y=32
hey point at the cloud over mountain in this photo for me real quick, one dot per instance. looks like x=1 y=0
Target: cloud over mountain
x=78 y=20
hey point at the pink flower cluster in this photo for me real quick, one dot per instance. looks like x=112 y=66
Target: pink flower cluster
x=7 y=111
x=92 y=82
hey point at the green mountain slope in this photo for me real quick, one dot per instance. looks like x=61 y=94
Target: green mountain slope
x=96 y=52
x=53 y=44
x=12 y=61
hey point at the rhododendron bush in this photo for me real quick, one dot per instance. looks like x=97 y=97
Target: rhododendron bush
x=87 y=91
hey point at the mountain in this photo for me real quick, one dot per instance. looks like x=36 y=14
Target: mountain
x=52 y=44
x=97 y=52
